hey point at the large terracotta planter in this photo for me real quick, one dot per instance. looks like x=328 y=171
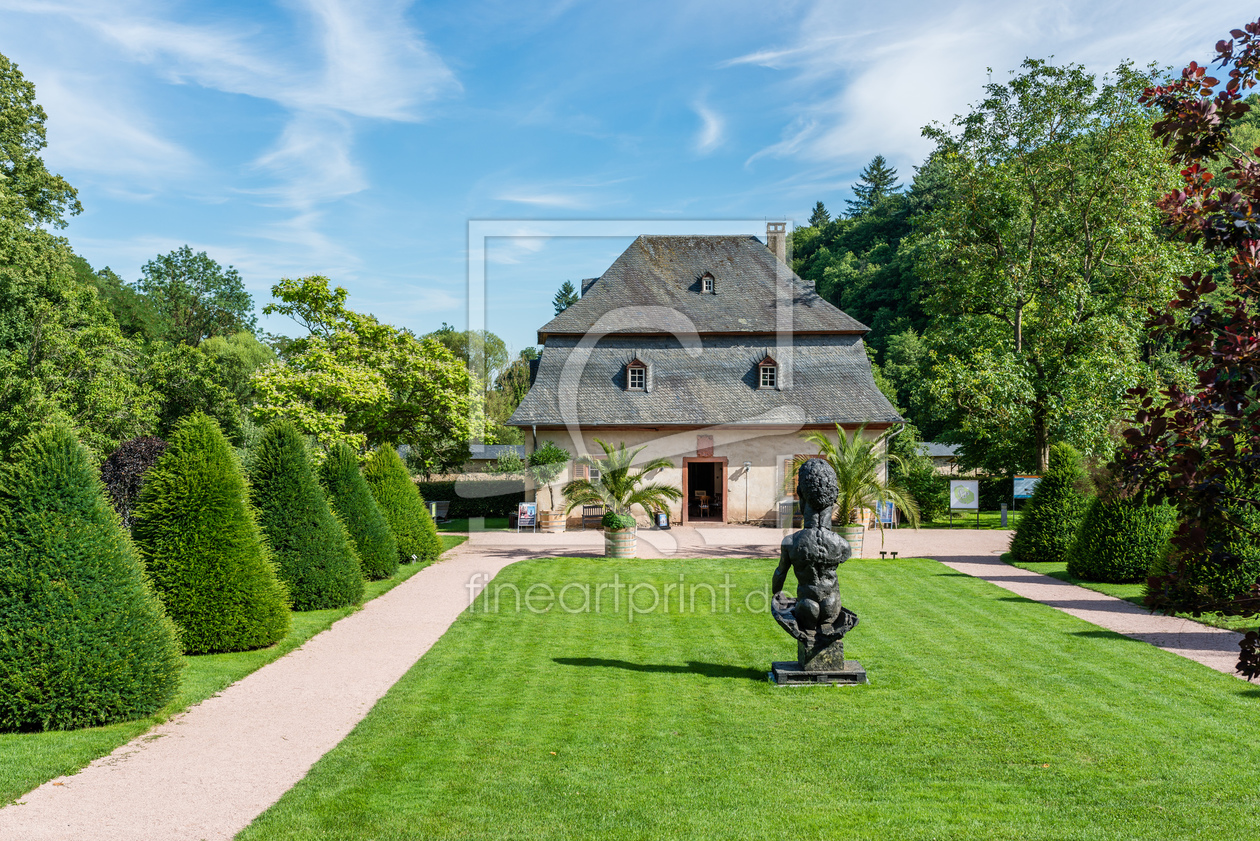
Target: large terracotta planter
x=551 y=521
x=854 y=533
x=620 y=543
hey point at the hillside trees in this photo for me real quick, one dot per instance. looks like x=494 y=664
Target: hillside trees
x=357 y=380
x=1044 y=252
x=195 y=298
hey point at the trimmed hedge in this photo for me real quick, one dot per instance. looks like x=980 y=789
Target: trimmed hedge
x=350 y=496
x=313 y=551
x=202 y=546
x=1050 y=521
x=502 y=503
x=84 y=640
x=403 y=506
x=1120 y=539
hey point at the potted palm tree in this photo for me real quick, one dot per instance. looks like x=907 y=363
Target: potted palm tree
x=858 y=462
x=618 y=488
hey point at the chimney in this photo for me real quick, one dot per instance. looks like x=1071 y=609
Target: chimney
x=776 y=239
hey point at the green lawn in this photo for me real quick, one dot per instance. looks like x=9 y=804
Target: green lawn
x=967 y=520
x=28 y=760
x=491 y=524
x=988 y=716
x=1135 y=593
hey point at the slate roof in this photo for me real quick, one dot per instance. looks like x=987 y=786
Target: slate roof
x=830 y=383
x=665 y=272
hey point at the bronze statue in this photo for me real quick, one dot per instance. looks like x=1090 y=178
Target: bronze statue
x=815 y=617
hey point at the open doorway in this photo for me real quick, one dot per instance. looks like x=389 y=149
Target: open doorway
x=704 y=485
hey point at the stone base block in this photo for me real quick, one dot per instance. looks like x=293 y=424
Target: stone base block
x=825 y=655
x=788 y=673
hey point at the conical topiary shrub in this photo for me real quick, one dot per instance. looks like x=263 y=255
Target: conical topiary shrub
x=1204 y=581
x=1120 y=539
x=1048 y=525
x=200 y=541
x=350 y=496
x=404 y=508
x=83 y=638
x=313 y=553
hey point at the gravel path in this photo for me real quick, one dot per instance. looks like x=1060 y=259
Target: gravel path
x=207 y=773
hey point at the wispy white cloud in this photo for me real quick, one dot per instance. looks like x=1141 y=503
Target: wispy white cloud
x=91 y=128
x=712 y=129
x=545 y=199
x=859 y=81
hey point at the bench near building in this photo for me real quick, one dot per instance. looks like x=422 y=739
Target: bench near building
x=710 y=351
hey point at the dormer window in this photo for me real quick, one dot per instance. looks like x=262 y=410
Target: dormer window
x=636 y=376
x=706 y=283
x=768 y=373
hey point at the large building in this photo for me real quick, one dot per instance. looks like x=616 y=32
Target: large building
x=710 y=351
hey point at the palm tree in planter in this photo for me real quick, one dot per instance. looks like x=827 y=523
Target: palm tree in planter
x=858 y=462
x=618 y=488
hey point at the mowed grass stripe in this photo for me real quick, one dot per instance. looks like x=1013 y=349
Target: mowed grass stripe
x=989 y=716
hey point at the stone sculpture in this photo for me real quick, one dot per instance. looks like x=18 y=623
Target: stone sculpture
x=815 y=618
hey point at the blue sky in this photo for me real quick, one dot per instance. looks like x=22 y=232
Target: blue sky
x=357 y=139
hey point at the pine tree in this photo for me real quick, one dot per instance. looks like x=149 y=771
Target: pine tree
x=202 y=547
x=83 y=638
x=877 y=181
x=566 y=297
x=350 y=496
x=404 y=507
x=316 y=559
x=820 y=218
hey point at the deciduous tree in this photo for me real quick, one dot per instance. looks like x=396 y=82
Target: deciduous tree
x=1042 y=255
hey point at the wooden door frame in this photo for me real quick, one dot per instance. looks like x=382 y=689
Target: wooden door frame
x=686 y=500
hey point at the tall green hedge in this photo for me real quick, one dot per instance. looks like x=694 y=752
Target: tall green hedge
x=404 y=508
x=1205 y=582
x=200 y=541
x=352 y=499
x=83 y=638
x=1049 y=522
x=1120 y=539
x=314 y=554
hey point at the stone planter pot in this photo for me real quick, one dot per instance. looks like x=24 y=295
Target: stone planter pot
x=854 y=533
x=620 y=543
x=551 y=521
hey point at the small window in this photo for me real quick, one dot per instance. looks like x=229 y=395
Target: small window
x=636 y=377
x=706 y=284
x=585 y=471
x=769 y=376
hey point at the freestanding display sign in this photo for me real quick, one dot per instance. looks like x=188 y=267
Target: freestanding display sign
x=1024 y=486
x=527 y=516
x=964 y=494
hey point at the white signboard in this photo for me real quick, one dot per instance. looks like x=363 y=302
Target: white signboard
x=964 y=493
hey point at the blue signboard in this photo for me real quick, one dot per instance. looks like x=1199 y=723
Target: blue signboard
x=1024 y=486
x=887 y=514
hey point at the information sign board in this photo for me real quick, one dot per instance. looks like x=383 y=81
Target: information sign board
x=1024 y=486
x=964 y=493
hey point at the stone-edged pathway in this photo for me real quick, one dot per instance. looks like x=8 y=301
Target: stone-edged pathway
x=207 y=773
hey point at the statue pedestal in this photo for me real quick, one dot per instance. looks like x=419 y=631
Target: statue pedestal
x=788 y=673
